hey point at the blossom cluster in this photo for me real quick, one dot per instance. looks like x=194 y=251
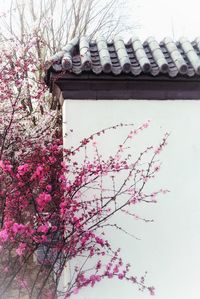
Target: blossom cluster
x=49 y=203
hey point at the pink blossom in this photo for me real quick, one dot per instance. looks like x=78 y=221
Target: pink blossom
x=110 y=275
x=145 y=125
x=4 y=235
x=94 y=279
x=6 y=166
x=5 y=269
x=99 y=241
x=92 y=251
x=120 y=276
x=76 y=290
x=84 y=240
x=52 y=160
x=39 y=171
x=99 y=265
x=43 y=228
x=49 y=188
x=23 y=283
x=20 y=249
x=43 y=199
x=22 y=169
x=151 y=291
x=18 y=228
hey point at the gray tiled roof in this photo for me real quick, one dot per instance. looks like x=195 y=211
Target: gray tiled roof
x=134 y=57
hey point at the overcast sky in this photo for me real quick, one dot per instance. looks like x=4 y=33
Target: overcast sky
x=166 y=18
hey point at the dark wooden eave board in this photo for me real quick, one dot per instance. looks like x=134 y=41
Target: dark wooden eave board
x=127 y=77
x=128 y=87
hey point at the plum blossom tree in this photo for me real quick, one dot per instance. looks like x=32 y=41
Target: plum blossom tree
x=55 y=208
x=53 y=204
x=63 y=209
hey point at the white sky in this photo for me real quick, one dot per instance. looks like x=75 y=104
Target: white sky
x=160 y=18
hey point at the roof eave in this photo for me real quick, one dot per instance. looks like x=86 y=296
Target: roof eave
x=105 y=86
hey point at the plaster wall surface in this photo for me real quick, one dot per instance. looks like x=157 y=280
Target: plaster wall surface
x=169 y=247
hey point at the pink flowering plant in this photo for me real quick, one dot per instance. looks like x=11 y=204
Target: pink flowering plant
x=55 y=208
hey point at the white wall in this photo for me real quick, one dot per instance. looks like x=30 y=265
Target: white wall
x=170 y=247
